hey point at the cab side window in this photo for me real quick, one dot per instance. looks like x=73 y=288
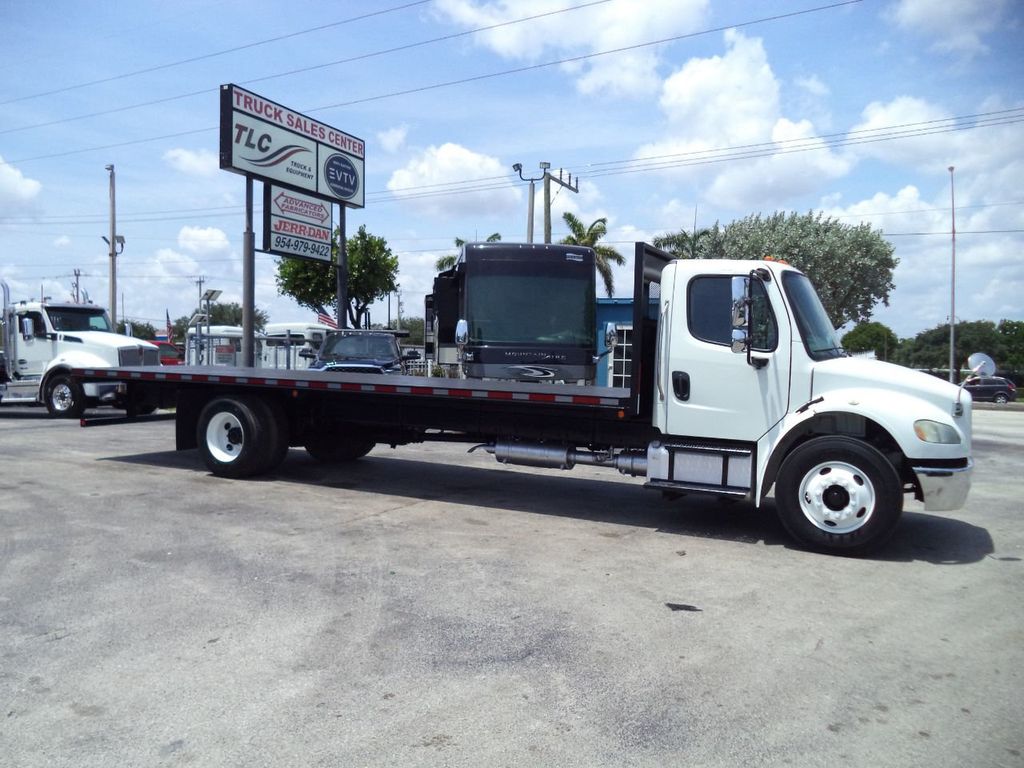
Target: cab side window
x=709 y=313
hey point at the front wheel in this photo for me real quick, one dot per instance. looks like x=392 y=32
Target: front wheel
x=64 y=397
x=839 y=495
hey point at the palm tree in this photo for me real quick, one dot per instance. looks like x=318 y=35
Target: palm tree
x=449 y=260
x=683 y=244
x=578 y=235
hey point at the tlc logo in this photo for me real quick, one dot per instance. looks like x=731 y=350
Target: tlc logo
x=247 y=137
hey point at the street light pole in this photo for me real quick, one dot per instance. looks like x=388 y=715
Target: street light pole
x=952 y=280
x=112 y=303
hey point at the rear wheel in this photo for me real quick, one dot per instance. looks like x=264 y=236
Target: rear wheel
x=241 y=436
x=1001 y=398
x=839 y=495
x=64 y=397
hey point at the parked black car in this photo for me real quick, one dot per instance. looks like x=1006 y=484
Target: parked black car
x=991 y=388
x=359 y=351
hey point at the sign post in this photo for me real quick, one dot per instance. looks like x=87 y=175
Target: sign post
x=306 y=167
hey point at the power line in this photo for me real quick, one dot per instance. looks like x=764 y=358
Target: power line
x=465 y=80
x=301 y=70
x=206 y=56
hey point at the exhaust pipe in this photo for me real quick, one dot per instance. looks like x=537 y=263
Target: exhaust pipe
x=562 y=457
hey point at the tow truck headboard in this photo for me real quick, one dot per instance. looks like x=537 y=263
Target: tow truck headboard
x=648 y=263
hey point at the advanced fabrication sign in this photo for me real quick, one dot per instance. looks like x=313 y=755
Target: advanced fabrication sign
x=268 y=141
x=295 y=224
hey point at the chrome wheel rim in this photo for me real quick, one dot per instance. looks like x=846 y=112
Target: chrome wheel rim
x=837 y=497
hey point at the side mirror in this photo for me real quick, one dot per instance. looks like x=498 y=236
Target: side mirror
x=740 y=314
x=611 y=336
x=461 y=334
x=28 y=328
x=981 y=364
x=308 y=354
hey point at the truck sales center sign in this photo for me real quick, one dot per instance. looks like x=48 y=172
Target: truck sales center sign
x=266 y=140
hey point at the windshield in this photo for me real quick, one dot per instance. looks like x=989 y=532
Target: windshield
x=359 y=347
x=74 y=319
x=819 y=336
x=526 y=309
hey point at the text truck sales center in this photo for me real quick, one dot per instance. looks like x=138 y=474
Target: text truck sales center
x=292 y=154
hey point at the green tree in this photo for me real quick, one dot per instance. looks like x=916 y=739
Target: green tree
x=686 y=244
x=1011 y=355
x=450 y=260
x=930 y=348
x=589 y=236
x=140 y=330
x=851 y=266
x=872 y=337
x=372 y=269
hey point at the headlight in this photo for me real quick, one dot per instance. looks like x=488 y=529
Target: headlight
x=936 y=432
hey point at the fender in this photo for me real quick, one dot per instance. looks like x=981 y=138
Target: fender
x=855 y=412
x=65 y=361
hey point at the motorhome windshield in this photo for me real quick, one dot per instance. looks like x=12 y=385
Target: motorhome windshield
x=78 y=319
x=552 y=304
x=819 y=336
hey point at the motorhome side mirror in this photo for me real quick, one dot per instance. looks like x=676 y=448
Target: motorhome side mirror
x=611 y=336
x=28 y=328
x=981 y=364
x=461 y=334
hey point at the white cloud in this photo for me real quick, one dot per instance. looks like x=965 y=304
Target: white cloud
x=733 y=101
x=193 y=163
x=955 y=27
x=439 y=169
x=203 y=241
x=813 y=85
x=606 y=27
x=16 y=190
x=62 y=242
x=393 y=139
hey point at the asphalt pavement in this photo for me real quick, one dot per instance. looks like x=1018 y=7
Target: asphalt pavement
x=428 y=607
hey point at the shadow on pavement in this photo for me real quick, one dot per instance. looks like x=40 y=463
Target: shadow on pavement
x=920 y=537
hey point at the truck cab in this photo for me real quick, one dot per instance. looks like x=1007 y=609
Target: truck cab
x=44 y=340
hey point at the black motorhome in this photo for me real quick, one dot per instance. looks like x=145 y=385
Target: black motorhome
x=529 y=312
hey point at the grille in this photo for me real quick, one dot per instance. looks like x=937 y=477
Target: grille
x=138 y=356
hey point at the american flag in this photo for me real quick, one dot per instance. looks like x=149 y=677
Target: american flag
x=170 y=327
x=325 y=319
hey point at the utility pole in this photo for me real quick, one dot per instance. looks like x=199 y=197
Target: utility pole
x=518 y=168
x=116 y=243
x=952 y=281
x=548 y=178
x=78 y=274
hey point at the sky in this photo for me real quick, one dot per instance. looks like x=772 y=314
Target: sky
x=667 y=112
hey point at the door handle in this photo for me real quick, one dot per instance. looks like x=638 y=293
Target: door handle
x=681 y=385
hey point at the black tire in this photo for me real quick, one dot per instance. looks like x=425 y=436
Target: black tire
x=331 y=449
x=240 y=436
x=64 y=397
x=1001 y=398
x=838 y=495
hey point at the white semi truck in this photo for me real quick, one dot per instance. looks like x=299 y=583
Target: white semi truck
x=739 y=389
x=43 y=340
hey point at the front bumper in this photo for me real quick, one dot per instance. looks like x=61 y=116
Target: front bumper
x=944 y=488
